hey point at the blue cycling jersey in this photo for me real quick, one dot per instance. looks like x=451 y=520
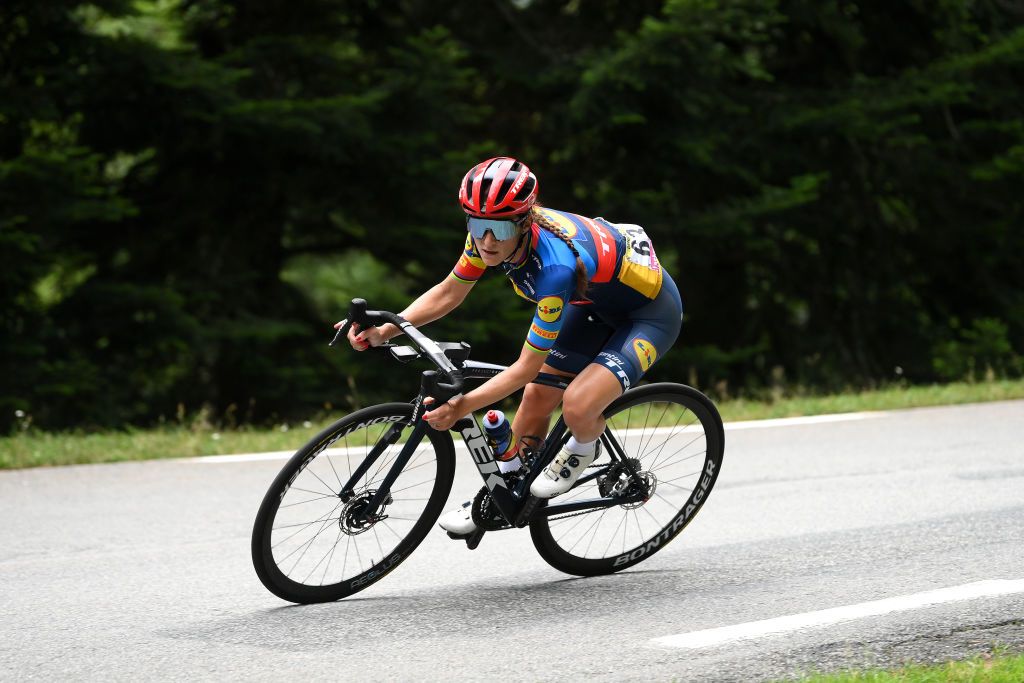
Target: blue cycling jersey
x=623 y=271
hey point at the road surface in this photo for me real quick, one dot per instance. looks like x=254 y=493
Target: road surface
x=910 y=521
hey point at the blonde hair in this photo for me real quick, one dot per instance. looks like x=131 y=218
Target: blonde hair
x=545 y=223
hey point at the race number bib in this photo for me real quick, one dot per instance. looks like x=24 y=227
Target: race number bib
x=639 y=268
x=639 y=250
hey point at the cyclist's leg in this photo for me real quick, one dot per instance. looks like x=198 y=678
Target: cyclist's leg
x=631 y=350
x=533 y=419
x=635 y=345
x=582 y=336
x=579 y=340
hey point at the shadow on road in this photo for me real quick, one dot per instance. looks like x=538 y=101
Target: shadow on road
x=482 y=610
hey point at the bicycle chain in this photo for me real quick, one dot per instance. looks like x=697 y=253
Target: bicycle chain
x=568 y=514
x=581 y=512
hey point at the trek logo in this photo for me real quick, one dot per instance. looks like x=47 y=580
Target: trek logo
x=549 y=308
x=483 y=456
x=678 y=523
x=615 y=364
x=518 y=184
x=645 y=353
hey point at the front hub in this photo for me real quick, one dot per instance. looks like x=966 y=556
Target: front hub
x=354 y=518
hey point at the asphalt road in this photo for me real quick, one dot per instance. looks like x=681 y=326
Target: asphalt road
x=142 y=570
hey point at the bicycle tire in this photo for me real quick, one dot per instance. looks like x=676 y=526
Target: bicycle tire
x=273 y=537
x=554 y=538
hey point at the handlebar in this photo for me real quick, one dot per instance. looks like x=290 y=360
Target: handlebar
x=431 y=385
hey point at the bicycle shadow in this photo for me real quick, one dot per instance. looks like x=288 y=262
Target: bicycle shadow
x=480 y=609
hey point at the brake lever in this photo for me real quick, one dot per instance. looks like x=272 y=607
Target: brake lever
x=342 y=332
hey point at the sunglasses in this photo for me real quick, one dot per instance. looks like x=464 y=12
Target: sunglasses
x=502 y=230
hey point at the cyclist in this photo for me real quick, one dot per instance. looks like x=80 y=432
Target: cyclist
x=606 y=311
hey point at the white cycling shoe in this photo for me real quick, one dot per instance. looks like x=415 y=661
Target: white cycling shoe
x=562 y=473
x=458 y=521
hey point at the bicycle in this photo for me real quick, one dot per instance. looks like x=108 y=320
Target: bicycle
x=379 y=477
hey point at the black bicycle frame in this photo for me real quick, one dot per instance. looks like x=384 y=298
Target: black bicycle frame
x=517 y=506
x=509 y=502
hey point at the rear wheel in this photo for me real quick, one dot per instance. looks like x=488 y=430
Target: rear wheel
x=664 y=441
x=310 y=543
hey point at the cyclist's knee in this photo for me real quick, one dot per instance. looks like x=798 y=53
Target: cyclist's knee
x=539 y=399
x=578 y=407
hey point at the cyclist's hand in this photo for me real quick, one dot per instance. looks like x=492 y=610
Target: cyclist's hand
x=445 y=415
x=361 y=341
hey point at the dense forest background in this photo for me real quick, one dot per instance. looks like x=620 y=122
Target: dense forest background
x=190 y=190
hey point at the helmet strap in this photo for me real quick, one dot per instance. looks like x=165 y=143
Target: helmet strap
x=519 y=246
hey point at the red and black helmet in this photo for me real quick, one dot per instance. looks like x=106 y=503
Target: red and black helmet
x=498 y=188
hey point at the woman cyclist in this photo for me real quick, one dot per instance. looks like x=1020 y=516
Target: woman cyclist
x=606 y=311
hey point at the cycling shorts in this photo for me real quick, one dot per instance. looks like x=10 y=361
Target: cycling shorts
x=627 y=344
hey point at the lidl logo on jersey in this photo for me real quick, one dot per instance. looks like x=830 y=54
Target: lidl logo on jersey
x=549 y=308
x=567 y=226
x=645 y=353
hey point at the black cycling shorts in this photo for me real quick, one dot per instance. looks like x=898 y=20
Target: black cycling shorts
x=627 y=344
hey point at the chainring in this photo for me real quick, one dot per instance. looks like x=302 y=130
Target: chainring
x=485 y=513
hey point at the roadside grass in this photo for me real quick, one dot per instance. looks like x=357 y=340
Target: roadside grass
x=33 y=448
x=978 y=670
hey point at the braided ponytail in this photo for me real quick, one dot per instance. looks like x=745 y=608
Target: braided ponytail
x=545 y=223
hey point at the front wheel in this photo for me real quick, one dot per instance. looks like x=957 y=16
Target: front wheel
x=311 y=544
x=673 y=439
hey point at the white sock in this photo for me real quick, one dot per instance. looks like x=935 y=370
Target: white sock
x=506 y=466
x=581 y=448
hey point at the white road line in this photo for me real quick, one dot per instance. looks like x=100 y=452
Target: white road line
x=827 y=617
x=809 y=420
x=729 y=426
x=276 y=455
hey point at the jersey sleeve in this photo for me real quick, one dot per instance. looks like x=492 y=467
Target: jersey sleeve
x=547 y=319
x=470 y=266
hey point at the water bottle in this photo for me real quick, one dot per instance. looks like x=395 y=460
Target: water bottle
x=499 y=433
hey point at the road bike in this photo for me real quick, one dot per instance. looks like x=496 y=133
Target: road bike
x=356 y=501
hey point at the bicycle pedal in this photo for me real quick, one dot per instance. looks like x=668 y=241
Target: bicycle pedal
x=473 y=540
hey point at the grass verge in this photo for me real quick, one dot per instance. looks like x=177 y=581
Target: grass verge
x=977 y=670
x=35 y=448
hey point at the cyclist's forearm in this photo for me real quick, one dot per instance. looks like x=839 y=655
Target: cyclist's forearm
x=507 y=382
x=493 y=390
x=436 y=302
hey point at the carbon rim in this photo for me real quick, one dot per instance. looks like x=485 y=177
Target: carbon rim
x=316 y=538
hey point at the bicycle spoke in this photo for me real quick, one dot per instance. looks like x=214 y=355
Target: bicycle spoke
x=668 y=438
x=597 y=520
x=614 y=534
x=681 y=488
x=331 y=552
x=684 y=459
x=680 y=449
x=310 y=470
x=308 y=544
x=315 y=493
x=381 y=547
x=330 y=462
x=303 y=502
x=304 y=526
x=330 y=559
